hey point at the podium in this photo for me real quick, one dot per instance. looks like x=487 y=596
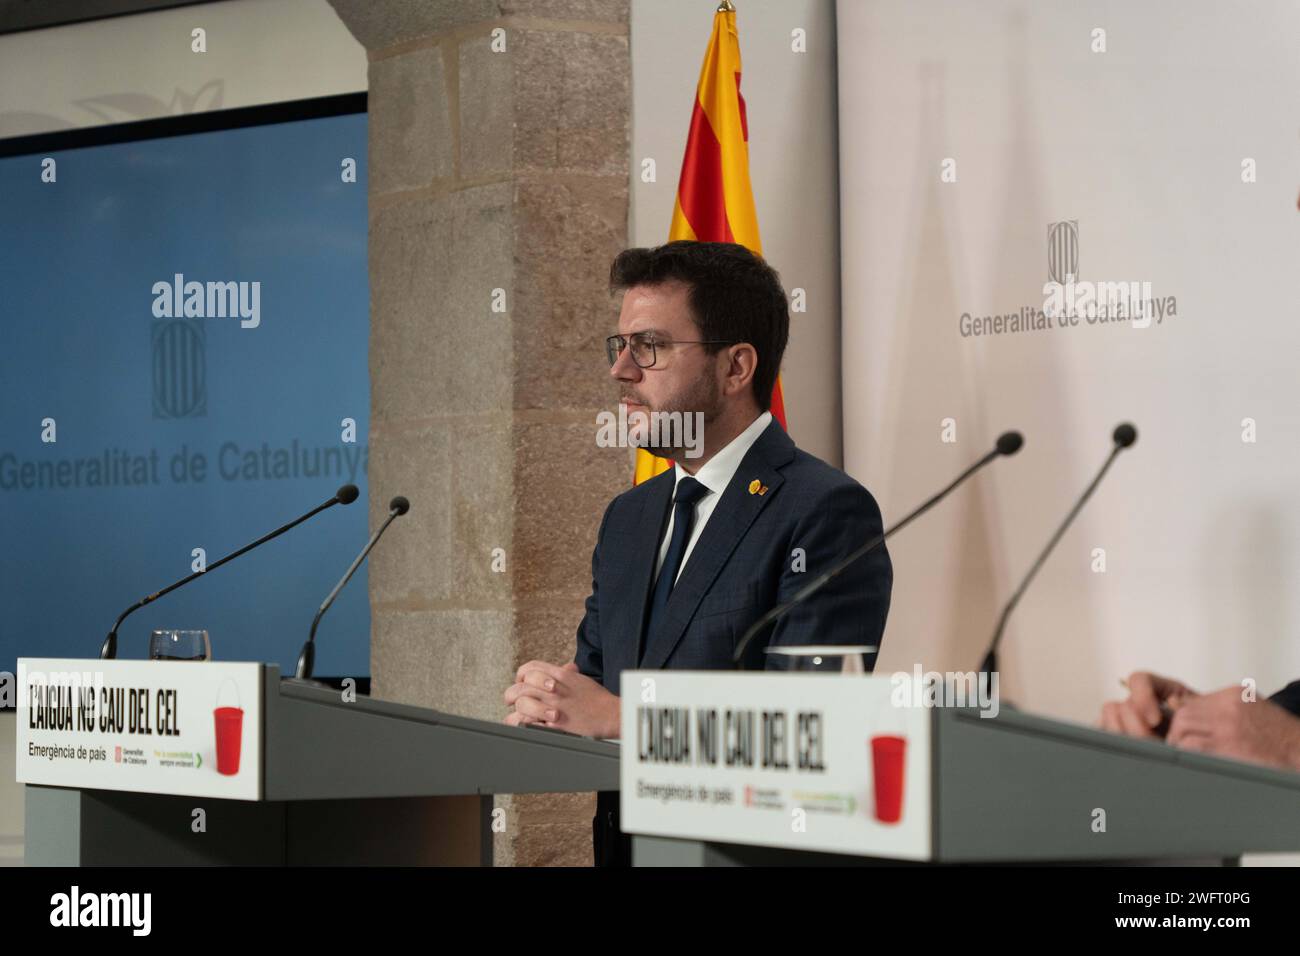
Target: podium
x=340 y=782
x=1006 y=788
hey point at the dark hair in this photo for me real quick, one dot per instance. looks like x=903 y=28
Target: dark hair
x=735 y=296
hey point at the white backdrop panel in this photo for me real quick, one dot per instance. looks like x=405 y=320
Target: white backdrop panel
x=1143 y=146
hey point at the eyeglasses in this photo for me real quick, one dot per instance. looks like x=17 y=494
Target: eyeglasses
x=644 y=347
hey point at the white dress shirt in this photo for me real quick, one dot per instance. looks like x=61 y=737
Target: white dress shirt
x=715 y=475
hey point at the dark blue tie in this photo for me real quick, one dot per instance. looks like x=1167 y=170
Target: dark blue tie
x=688 y=492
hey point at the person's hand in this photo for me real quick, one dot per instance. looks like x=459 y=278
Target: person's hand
x=1225 y=725
x=562 y=698
x=1141 y=714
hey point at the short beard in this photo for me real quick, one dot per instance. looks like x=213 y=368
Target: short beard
x=701 y=396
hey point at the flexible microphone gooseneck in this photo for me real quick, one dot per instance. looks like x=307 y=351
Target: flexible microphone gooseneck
x=108 y=651
x=1123 y=437
x=307 y=657
x=1007 y=444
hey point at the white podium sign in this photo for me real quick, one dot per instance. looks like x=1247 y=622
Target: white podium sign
x=182 y=727
x=816 y=762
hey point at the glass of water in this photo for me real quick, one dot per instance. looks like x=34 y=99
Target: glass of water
x=174 y=645
x=832 y=658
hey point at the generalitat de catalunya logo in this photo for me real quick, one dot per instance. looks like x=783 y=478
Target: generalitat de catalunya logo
x=180 y=369
x=179 y=358
x=1071 y=303
x=1063 y=251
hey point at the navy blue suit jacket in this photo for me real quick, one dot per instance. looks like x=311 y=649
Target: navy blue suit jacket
x=742 y=565
x=1288 y=698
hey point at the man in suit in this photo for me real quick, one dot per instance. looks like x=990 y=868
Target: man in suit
x=1225 y=722
x=686 y=561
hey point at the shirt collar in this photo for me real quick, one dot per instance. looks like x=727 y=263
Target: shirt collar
x=717 y=472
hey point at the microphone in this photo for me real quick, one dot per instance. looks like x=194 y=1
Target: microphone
x=1123 y=437
x=307 y=657
x=108 y=651
x=1008 y=443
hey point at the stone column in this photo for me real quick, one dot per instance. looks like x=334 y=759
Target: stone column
x=498 y=178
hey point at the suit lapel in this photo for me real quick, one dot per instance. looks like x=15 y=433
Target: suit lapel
x=635 y=585
x=727 y=525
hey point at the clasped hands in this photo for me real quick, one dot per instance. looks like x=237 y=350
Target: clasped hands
x=563 y=698
x=1223 y=723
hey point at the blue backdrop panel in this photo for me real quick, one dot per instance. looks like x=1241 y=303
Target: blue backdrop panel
x=113 y=509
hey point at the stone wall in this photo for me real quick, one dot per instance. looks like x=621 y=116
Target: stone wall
x=498 y=175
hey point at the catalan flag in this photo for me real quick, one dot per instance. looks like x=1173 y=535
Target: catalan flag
x=715 y=202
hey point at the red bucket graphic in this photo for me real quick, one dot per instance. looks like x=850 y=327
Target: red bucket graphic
x=888 y=755
x=230 y=731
